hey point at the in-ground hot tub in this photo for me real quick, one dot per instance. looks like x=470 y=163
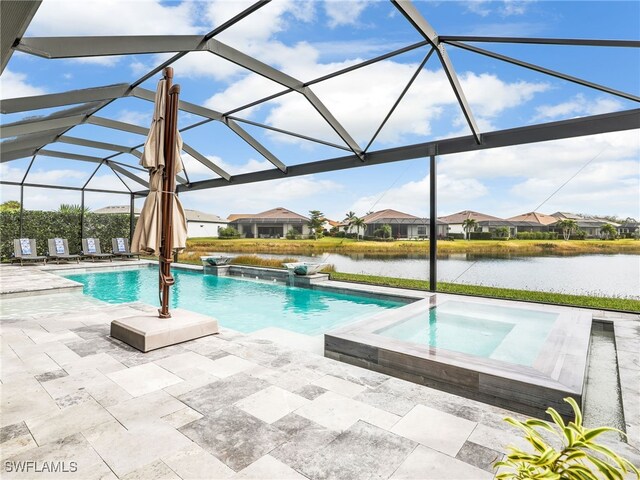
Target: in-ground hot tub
x=520 y=356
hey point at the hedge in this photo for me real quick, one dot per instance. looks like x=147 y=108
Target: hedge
x=44 y=225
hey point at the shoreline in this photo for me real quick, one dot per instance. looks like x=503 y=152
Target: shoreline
x=199 y=246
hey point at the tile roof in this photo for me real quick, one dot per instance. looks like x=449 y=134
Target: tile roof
x=535 y=217
x=465 y=214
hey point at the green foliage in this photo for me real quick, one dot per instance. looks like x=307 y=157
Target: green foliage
x=537 y=235
x=480 y=236
x=503 y=232
x=608 y=230
x=10 y=206
x=316 y=219
x=359 y=225
x=579 y=458
x=293 y=234
x=383 y=232
x=567 y=227
x=228 y=232
x=44 y=225
x=468 y=226
x=68 y=208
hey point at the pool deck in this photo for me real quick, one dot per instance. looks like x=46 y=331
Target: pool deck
x=231 y=405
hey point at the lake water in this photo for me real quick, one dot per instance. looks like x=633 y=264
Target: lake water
x=603 y=275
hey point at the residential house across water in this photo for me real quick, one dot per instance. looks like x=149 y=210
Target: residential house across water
x=274 y=223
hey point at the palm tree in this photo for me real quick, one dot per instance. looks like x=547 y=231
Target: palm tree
x=358 y=223
x=68 y=208
x=567 y=226
x=468 y=225
x=351 y=216
x=608 y=230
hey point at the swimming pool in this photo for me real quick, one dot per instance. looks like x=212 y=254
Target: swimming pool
x=243 y=305
x=513 y=335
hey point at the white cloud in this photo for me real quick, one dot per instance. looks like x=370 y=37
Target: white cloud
x=288 y=193
x=142 y=119
x=344 y=13
x=112 y=17
x=413 y=196
x=15 y=85
x=506 y=8
x=196 y=169
x=577 y=106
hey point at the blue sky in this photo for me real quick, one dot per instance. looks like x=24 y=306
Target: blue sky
x=310 y=39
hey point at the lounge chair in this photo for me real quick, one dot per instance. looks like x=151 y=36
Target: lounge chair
x=24 y=250
x=120 y=248
x=91 y=249
x=59 y=250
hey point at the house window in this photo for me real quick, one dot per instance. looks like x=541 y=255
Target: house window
x=422 y=230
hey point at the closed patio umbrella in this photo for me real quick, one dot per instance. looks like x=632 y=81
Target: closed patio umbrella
x=162 y=227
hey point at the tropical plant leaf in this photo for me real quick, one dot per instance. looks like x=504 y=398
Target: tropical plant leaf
x=576 y=410
x=594 y=432
x=556 y=417
x=607 y=470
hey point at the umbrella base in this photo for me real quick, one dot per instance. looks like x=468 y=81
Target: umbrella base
x=148 y=332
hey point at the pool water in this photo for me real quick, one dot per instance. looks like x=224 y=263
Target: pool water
x=514 y=335
x=243 y=305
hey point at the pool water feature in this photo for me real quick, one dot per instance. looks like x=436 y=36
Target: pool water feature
x=513 y=335
x=239 y=304
x=520 y=356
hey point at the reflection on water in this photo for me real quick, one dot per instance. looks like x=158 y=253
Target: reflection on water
x=615 y=275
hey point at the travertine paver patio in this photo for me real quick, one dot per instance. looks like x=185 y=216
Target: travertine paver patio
x=225 y=406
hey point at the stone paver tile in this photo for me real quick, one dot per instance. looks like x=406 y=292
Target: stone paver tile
x=74 y=398
x=191 y=384
x=310 y=392
x=146 y=408
x=62 y=336
x=104 y=390
x=102 y=362
x=289 y=380
x=229 y=365
x=71 y=420
x=338 y=413
x=16 y=446
x=435 y=429
x=386 y=401
x=126 y=451
x=181 y=417
x=193 y=463
x=497 y=439
x=24 y=399
x=157 y=470
x=339 y=385
x=144 y=379
x=427 y=464
x=38 y=363
x=47 y=376
x=269 y=467
x=479 y=456
x=189 y=364
x=235 y=437
x=363 y=451
x=75 y=448
x=210 y=398
x=305 y=438
x=10 y=432
x=271 y=404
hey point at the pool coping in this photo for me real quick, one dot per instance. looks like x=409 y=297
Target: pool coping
x=558 y=371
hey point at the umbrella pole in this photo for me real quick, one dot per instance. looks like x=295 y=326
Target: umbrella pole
x=168 y=188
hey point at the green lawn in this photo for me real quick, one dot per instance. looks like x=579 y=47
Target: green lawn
x=606 y=303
